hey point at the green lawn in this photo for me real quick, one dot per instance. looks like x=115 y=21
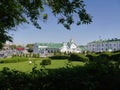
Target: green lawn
x=62 y=63
x=26 y=67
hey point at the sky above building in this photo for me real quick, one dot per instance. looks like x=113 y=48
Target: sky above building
x=105 y=25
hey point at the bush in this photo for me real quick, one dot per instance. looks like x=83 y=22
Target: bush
x=101 y=56
x=13 y=60
x=78 y=57
x=104 y=56
x=45 y=62
x=59 y=57
x=115 y=56
x=92 y=57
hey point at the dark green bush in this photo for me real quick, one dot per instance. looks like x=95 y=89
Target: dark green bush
x=59 y=57
x=78 y=57
x=46 y=61
x=1 y=61
x=92 y=57
x=101 y=56
x=115 y=56
x=104 y=56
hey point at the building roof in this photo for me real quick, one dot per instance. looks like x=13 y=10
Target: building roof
x=70 y=42
x=82 y=48
x=51 y=45
x=109 y=40
x=20 y=48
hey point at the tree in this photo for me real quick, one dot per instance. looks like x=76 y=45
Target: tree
x=15 y=12
x=12 y=46
x=30 y=47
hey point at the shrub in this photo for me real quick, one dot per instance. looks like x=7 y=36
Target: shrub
x=59 y=57
x=13 y=60
x=104 y=56
x=78 y=57
x=115 y=56
x=92 y=57
x=102 y=59
x=46 y=62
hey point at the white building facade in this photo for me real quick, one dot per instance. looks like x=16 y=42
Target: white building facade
x=104 y=45
x=46 y=48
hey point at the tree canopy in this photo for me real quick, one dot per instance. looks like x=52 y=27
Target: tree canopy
x=30 y=47
x=15 y=12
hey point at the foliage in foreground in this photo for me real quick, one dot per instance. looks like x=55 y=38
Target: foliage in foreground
x=102 y=72
x=93 y=76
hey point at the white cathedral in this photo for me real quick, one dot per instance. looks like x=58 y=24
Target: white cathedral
x=47 y=48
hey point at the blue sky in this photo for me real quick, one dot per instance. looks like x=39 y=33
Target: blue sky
x=105 y=25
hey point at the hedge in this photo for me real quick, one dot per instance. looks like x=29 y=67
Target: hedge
x=92 y=57
x=13 y=60
x=59 y=57
x=115 y=56
x=78 y=57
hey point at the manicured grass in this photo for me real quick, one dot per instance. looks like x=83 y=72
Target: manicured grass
x=21 y=66
x=62 y=63
x=26 y=67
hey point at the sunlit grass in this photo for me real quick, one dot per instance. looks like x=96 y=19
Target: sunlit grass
x=26 y=67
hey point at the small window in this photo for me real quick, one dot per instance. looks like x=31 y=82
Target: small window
x=102 y=45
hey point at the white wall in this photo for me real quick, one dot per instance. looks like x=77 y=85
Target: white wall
x=103 y=46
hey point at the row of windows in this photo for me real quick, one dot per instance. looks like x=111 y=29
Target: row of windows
x=93 y=45
x=103 y=49
x=47 y=50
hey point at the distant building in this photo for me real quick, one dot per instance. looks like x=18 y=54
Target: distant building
x=104 y=45
x=46 y=48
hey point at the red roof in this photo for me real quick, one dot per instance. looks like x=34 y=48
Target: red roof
x=20 y=49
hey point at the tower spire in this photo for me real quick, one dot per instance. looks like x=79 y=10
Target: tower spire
x=71 y=40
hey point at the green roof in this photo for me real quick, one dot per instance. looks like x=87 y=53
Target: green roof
x=109 y=40
x=51 y=45
x=83 y=48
